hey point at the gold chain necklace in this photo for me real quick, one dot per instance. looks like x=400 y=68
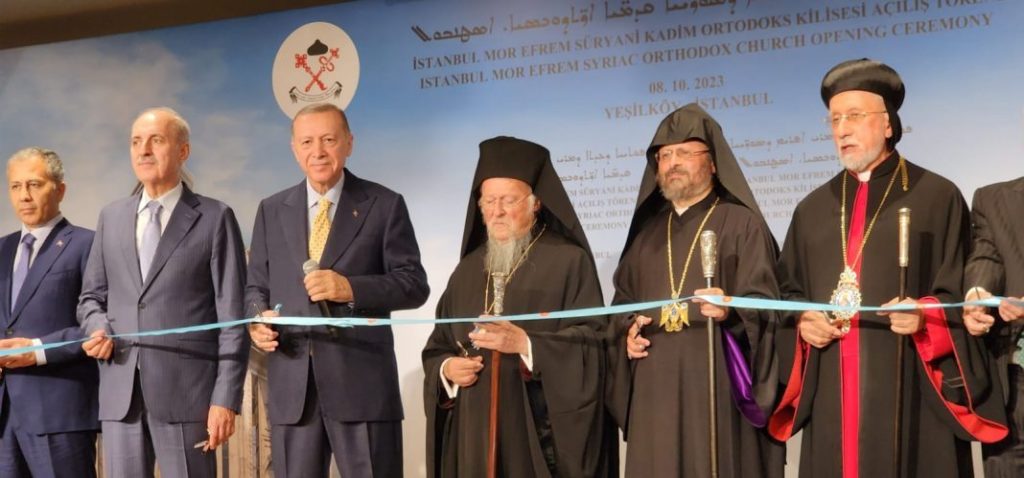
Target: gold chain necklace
x=675 y=315
x=488 y=305
x=847 y=292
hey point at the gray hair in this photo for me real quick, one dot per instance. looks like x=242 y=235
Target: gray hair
x=54 y=166
x=177 y=121
x=323 y=108
x=184 y=133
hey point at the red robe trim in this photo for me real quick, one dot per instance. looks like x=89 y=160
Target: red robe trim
x=934 y=342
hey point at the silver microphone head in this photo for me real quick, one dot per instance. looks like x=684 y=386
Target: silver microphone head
x=904 y=215
x=708 y=253
x=310 y=266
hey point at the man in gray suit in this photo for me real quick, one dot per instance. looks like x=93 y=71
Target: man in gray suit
x=996 y=266
x=165 y=257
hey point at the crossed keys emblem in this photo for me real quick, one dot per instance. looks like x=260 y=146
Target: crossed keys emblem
x=326 y=64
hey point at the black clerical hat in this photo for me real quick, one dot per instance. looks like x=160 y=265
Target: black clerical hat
x=508 y=157
x=683 y=124
x=871 y=76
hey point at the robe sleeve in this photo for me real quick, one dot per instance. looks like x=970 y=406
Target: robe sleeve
x=436 y=403
x=620 y=367
x=753 y=261
x=793 y=352
x=570 y=366
x=962 y=386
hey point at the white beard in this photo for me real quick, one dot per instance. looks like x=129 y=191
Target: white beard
x=502 y=256
x=860 y=163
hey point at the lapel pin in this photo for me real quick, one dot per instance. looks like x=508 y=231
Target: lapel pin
x=60 y=243
x=355 y=213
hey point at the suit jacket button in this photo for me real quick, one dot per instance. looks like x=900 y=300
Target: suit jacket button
x=9 y=332
x=142 y=305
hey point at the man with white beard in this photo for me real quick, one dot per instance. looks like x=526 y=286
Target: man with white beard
x=551 y=380
x=841 y=248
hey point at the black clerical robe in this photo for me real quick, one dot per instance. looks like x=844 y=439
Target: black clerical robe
x=661 y=400
x=558 y=407
x=950 y=395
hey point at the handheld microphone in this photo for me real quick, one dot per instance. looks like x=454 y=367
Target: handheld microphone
x=307 y=268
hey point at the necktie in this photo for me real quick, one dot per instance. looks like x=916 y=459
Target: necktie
x=21 y=269
x=150 y=238
x=321 y=228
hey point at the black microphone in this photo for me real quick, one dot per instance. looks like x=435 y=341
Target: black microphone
x=308 y=267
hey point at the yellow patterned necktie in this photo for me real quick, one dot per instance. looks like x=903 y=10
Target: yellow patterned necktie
x=321 y=228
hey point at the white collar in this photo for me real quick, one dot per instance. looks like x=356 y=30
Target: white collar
x=168 y=200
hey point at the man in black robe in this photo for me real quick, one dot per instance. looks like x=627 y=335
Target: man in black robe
x=842 y=242
x=693 y=183
x=551 y=413
x=996 y=266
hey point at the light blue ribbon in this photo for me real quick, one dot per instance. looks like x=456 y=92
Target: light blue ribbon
x=724 y=301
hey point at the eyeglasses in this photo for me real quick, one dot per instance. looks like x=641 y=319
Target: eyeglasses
x=666 y=155
x=853 y=118
x=507 y=202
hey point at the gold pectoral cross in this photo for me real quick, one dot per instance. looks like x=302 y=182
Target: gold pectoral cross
x=674 y=316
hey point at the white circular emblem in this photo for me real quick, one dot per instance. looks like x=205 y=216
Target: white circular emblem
x=317 y=63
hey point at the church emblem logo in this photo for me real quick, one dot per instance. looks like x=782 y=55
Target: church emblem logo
x=317 y=63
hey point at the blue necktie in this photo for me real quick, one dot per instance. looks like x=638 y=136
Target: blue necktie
x=150 y=238
x=21 y=269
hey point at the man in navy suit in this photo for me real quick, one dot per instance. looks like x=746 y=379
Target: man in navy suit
x=47 y=397
x=165 y=257
x=333 y=390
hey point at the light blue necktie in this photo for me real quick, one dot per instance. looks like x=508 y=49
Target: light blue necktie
x=21 y=269
x=150 y=238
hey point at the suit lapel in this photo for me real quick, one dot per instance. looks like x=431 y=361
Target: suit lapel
x=1014 y=202
x=353 y=207
x=7 y=250
x=52 y=248
x=182 y=219
x=125 y=232
x=295 y=223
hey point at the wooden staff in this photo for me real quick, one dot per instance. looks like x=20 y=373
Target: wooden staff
x=904 y=242
x=492 y=428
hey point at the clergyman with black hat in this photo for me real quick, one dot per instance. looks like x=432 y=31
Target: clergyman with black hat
x=551 y=415
x=841 y=368
x=692 y=184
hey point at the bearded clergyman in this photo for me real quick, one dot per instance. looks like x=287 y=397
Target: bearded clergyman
x=551 y=419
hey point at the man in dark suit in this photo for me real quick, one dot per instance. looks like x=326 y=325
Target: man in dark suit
x=47 y=397
x=163 y=258
x=333 y=390
x=996 y=266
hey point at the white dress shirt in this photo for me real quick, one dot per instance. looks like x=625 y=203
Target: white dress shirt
x=169 y=201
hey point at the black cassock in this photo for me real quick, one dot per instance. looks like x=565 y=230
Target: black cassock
x=662 y=399
x=560 y=404
x=941 y=411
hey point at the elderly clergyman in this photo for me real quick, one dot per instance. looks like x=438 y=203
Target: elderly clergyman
x=551 y=419
x=841 y=368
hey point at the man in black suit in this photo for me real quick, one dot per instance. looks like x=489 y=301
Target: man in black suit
x=333 y=390
x=47 y=397
x=996 y=266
